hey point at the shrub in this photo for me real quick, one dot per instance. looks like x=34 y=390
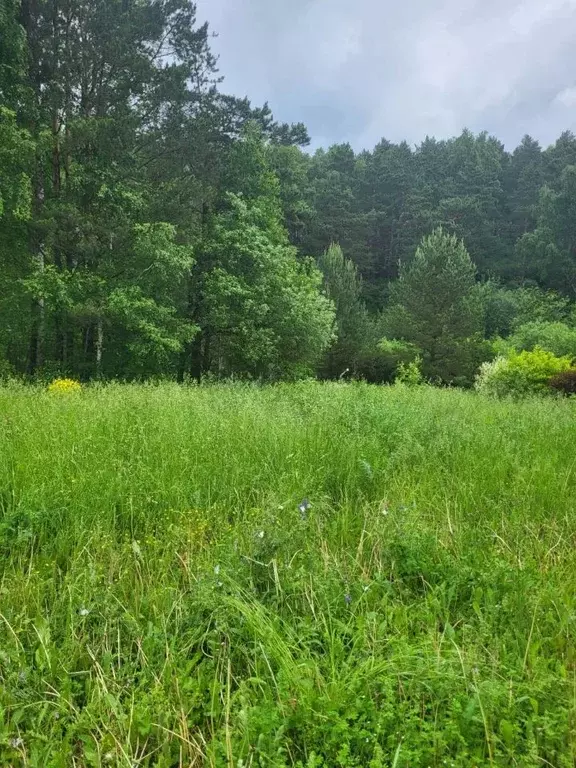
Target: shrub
x=376 y=361
x=502 y=347
x=520 y=374
x=395 y=354
x=558 y=338
x=490 y=378
x=373 y=366
x=564 y=382
x=410 y=373
x=398 y=351
x=6 y=370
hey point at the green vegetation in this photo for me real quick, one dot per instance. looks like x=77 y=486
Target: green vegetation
x=246 y=575
x=558 y=338
x=151 y=225
x=437 y=307
x=300 y=575
x=521 y=374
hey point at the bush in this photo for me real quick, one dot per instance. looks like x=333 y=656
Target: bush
x=395 y=354
x=377 y=362
x=506 y=309
x=6 y=370
x=499 y=309
x=490 y=378
x=410 y=374
x=373 y=366
x=520 y=374
x=558 y=338
x=564 y=382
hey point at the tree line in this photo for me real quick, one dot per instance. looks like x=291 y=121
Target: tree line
x=152 y=225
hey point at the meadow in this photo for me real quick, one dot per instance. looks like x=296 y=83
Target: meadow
x=302 y=575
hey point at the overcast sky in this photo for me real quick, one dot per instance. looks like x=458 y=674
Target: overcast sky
x=360 y=70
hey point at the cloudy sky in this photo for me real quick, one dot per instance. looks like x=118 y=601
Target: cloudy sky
x=360 y=70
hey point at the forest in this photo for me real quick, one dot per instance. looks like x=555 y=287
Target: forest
x=153 y=226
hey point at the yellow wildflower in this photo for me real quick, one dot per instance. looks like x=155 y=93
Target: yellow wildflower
x=64 y=386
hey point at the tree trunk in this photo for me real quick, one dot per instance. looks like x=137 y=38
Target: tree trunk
x=200 y=346
x=86 y=344
x=36 y=355
x=28 y=19
x=99 y=345
x=196 y=360
x=36 y=358
x=206 y=351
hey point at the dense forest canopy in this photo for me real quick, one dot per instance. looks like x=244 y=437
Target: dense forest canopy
x=152 y=225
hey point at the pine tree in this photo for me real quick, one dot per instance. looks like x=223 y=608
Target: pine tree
x=525 y=176
x=548 y=255
x=436 y=307
x=106 y=78
x=344 y=287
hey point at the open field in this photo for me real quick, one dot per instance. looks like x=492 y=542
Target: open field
x=165 y=602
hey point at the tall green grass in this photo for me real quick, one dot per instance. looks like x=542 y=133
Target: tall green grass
x=165 y=602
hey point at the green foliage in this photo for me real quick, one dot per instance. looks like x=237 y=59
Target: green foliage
x=558 y=338
x=499 y=307
x=263 y=308
x=119 y=155
x=358 y=350
x=343 y=286
x=410 y=373
x=521 y=373
x=437 y=307
x=536 y=304
x=16 y=155
x=399 y=351
x=16 y=152
x=396 y=356
x=12 y=55
x=167 y=598
x=291 y=167
x=548 y=251
x=6 y=370
x=506 y=309
x=150 y=331
x=523 y=180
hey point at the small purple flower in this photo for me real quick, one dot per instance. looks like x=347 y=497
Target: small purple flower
x=348 y=599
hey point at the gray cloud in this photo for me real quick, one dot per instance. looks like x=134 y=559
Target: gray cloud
x=359 y=71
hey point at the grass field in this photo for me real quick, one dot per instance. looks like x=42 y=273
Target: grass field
x=165 y=602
